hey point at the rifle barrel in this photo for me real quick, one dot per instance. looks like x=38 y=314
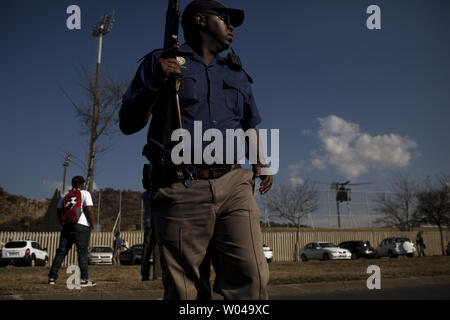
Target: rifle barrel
x=172 y=24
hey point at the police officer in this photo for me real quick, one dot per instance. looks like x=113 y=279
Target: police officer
x=202 y=210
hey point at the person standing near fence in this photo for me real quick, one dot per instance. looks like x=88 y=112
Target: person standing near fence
x=420 y=245
x=125 y=245
x=117 y=246
x=76 y=216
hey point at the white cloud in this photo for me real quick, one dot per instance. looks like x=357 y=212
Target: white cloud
x=294 y=174
x=297 y=181
x=353 y=152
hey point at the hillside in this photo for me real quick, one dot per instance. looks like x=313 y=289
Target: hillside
x=18 y=213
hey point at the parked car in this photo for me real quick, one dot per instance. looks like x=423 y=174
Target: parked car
x=268 y=253
x=24 y=252
x=394 y=247
x=358 y=249
x=132 y=255
x=100 y=255
x=324 y=251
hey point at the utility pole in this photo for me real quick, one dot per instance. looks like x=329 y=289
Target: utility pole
x=119 y=214
x=101 y=29
x=338 y=214
x=66 y=163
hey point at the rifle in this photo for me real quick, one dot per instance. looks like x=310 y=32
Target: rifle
x=172 y=116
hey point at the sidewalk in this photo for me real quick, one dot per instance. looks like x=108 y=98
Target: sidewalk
x=274 y=290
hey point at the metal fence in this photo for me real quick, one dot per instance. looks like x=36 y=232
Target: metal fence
x=359 y=212
x=282 y=243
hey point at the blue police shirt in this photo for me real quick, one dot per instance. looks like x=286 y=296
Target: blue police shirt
x=215 y=94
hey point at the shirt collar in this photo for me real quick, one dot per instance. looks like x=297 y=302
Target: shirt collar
x=186 y=50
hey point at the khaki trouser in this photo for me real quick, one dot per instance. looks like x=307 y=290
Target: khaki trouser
x=116 y=259
x=220 y=215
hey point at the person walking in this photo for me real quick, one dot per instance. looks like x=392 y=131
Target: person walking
x=76 y=216
x=420 y=245
x=117 y=247
x=200 y=210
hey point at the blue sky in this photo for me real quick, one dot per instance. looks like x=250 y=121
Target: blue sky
x=350 y=103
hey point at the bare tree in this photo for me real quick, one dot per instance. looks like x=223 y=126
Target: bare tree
x=434 y=205
x=292 y=203
x=105 y=122
x=399 y=205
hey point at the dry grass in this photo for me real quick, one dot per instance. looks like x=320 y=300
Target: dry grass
x=318 y=271
x=279 y=229
x=21 y=280
x=27 y=280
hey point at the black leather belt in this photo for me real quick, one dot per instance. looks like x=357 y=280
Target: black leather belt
x=189 y=173
x=166 y=175
x=205 y=173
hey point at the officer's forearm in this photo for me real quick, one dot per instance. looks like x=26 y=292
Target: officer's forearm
x=134 y=114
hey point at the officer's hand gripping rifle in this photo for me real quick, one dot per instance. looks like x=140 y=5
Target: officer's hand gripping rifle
x=172 y=117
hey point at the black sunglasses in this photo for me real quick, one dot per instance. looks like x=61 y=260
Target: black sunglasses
x=225 y=17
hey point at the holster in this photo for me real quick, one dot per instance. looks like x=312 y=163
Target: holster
x=153 y=172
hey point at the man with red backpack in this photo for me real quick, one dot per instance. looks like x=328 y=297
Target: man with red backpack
x=77 y=219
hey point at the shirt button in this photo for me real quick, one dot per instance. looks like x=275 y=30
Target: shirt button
x=214 y=123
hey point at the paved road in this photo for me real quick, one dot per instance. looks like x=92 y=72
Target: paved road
x=424 y=292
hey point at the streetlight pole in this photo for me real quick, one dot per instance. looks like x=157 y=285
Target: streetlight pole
x=101 y=29
x=66 y=163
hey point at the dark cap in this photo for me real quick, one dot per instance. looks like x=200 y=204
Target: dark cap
x=196 y=6
x=77 y=181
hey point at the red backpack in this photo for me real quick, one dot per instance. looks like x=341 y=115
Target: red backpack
x=72 y=207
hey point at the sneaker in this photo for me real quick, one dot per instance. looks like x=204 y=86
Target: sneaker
x=87 y=283
x=51 y=281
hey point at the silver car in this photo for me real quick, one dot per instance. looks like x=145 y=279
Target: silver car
x=100 y=255
x=324 y=251
x=396 y=246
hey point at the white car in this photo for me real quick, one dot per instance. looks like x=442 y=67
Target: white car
x=268 y=253
x=24 y=252
x=394 y=247
x=100 y=255
x=324 y=251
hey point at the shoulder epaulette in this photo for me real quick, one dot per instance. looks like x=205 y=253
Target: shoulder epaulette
x=248 y=76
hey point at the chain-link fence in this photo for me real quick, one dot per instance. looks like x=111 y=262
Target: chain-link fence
x=358 y=212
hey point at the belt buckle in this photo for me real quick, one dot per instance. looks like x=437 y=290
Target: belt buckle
x=190 y=170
